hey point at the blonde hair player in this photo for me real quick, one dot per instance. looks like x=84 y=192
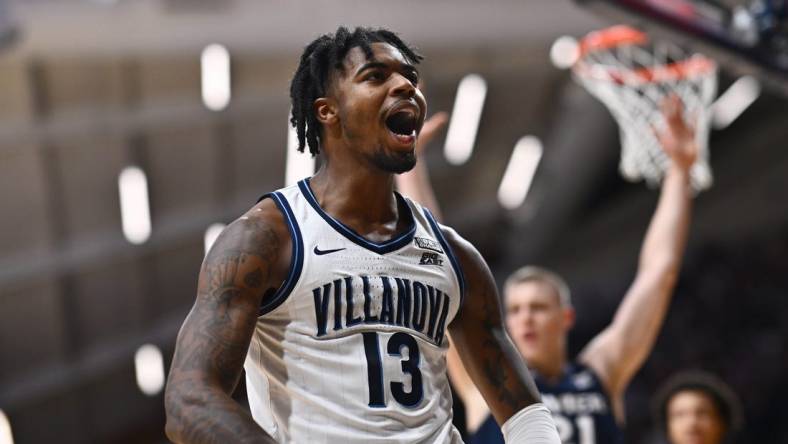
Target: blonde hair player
x=586 y=394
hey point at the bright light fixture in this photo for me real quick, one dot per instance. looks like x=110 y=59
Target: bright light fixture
x=465 y=116
x=149 y=369
x=134 y=205
x=734 y=101
x=520 y=172
x=215 y=69
x=564 y=52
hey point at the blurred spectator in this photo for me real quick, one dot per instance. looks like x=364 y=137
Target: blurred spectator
x=695 y=407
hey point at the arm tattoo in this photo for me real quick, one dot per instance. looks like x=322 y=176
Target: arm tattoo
x=254 y=279
x=500 y=360
x=214 y=340
x=490 y=357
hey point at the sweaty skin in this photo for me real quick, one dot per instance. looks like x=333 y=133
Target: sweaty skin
x=252 y=257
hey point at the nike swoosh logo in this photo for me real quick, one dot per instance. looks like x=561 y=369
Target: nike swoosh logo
x=320 y=252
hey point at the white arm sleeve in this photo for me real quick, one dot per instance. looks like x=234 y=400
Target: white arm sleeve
x=531 y=425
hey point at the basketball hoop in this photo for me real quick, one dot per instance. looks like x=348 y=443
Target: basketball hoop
x=632 y=76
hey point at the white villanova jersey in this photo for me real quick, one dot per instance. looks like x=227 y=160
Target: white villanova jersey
x=352 y=347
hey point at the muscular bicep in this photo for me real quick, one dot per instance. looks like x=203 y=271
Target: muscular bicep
x=213 y=341
x=487 y=353
x=244 y=265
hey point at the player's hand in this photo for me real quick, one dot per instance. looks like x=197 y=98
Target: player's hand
x=678 y=139
x=430 y=129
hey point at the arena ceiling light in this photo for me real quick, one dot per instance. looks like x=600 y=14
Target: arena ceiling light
x=520 y=172
x=734 y=101
x=149 y=369
x=465 y=116
x=211 y=233
x=6 y=437
x=134 y=205
x=564 y=52
x=215 y=69
x=297 y=165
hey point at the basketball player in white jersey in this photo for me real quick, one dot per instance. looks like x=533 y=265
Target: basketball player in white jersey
x=336 y=294
x=586 y=394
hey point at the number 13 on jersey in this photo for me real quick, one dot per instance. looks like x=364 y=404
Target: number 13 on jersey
x=403 y=347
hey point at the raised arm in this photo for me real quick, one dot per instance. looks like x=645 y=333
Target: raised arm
x=619 y=351
x=246 y=262
x=491 y=359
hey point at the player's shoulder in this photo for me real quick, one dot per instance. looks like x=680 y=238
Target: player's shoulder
x=470 y=259
x=454 y=239
x=262 y=230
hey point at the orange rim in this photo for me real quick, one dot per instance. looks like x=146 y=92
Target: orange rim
x=610 y=38
x=694 y=66
x=622 y=35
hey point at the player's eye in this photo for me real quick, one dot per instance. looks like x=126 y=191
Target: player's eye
x=376 y=76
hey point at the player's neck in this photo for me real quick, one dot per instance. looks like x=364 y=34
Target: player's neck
x=550 y=369
x=359 y=196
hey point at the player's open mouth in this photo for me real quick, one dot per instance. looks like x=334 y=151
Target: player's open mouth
x=402 y=125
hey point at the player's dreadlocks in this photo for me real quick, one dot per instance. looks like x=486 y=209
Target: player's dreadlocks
x=323 y=54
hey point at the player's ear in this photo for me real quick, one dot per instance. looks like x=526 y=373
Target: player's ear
x=326 y=111
x=569 y=318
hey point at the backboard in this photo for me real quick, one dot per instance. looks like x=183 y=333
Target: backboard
x=745 y=36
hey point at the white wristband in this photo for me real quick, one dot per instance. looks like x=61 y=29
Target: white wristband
x=531 y=425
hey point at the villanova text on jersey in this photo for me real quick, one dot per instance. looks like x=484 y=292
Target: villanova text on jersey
x=383 y=300
x=351 y=348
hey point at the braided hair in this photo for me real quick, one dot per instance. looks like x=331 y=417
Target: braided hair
x=310 y=80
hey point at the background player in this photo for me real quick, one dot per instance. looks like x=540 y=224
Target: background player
x=696 y=407
x=331 y=281
x=586 y=395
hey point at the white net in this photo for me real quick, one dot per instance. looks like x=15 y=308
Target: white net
x=633 y=80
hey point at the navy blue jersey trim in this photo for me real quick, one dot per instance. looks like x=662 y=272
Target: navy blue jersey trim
x=296 y=263
x=344 y=230
x=449 y=252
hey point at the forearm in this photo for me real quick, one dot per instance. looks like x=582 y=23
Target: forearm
x=498 y=371
x=639 y=318
x=620 y=350
x=479 y=336
x=666 y=237
x=210 y=416
x=660 y=258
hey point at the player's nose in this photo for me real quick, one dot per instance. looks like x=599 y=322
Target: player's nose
x=403 y=87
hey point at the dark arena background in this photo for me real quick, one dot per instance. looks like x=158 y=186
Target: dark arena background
x=131 y=131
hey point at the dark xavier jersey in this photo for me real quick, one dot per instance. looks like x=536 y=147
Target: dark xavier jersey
x=580 y=407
